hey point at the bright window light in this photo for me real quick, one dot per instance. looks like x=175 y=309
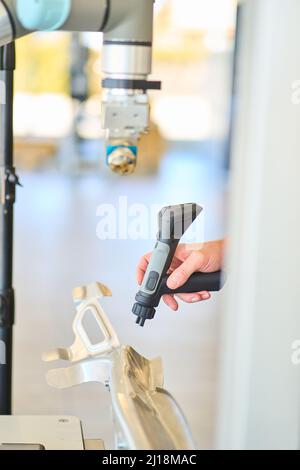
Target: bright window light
x=46 y=115
x=203 y=14
x=184 y=117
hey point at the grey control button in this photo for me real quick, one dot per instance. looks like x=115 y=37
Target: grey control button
x=152 y=280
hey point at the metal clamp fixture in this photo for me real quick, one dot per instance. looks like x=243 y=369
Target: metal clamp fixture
x=87 y=300
x=145 y=415
x=8 y=182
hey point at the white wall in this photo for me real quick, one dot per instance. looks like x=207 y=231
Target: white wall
x=260 y=388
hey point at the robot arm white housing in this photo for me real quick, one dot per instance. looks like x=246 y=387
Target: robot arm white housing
x=126 y=63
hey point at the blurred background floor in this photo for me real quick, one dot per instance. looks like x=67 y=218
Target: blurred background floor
x=57 y=249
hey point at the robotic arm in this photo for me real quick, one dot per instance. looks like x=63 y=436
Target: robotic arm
x=126 y=63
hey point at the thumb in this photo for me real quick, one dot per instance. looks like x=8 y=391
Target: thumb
x=181 y=275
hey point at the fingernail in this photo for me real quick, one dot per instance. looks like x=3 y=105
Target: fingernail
x=205 y=296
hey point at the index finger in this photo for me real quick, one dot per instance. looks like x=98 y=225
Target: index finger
x=142 y=267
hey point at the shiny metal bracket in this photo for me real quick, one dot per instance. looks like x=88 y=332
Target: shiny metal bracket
x=145 y=415
x=87 y=300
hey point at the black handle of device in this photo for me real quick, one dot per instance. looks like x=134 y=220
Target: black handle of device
x=198 y=282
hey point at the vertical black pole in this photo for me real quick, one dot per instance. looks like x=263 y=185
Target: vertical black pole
x=8 y=181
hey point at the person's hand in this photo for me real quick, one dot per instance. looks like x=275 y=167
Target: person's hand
x=188 y=258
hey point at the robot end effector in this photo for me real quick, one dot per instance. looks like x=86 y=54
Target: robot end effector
x=126 y=59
